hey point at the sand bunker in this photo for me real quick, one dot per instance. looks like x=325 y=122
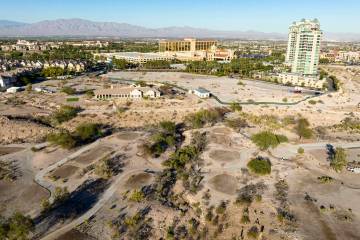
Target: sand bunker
x=224 y=183
x=75 y=234
x=65 y=171
x=138 y=180
x=92 y=155
x=9 y=150
x=220 y=139
x=224 y=155
x=128 y=136
x=222 y=130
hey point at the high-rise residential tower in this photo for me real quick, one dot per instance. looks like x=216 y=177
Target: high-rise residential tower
x=304 y=47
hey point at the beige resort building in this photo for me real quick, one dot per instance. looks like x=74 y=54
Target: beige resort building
x=133 y=92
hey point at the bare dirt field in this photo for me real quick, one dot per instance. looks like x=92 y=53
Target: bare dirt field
x=227 y=89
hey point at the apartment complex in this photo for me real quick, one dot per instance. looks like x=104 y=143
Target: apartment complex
x=186 y=45
x=304 y=47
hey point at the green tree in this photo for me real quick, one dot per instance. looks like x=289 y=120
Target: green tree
x=339 y=160
x=302 y=128
x=119 y=64
x=259 y=165
x=264 y=140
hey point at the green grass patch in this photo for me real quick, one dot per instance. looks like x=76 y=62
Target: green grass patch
x=75 y=99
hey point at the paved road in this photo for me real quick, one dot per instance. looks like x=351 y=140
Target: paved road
x=289 y=150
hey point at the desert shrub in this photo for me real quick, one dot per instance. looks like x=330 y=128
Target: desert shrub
x=260 y=166
x=325 y=179
x=221 y=208
x=88 y=132
x=17 y=227
x=65 y=113
x=253 y=232
x=209 y=214
x=103 y=168
x=288 y=120
x=137 y=196
x=205 y=117
x=281 y=193
x=245 y=219
x=61 y=194
x=182 y=156
x=300 y=150
x=237 y=123
x=8 y=171
x=312 y=102
x=63 y=139
x=235 y=107
x=164 y=138
x=247 y=193
x=265 y=140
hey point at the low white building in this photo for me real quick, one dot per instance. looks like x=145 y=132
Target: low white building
x=127 y=93
x=202 y=93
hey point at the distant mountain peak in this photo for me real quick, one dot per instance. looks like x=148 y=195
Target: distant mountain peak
x=85 y=28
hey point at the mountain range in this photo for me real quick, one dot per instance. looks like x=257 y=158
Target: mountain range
x=85 y=28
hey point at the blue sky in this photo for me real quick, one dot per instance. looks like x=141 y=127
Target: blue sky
x=260 y=15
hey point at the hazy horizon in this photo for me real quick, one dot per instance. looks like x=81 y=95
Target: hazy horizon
x=228 y=15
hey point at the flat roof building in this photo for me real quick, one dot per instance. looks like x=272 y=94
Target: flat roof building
x=126 y=93
x=136 y=57
x=186 y=45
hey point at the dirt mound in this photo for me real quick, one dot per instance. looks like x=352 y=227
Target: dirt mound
x=224 y=183
x=138 y=180
x=224 y=155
